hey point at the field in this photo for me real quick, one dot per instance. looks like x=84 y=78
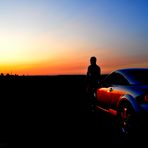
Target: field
x=52 y=110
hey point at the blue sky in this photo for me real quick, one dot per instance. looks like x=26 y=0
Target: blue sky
x=37 y=32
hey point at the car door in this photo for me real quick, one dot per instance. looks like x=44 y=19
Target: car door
x=104 y=93
x=111 y=91
x=118 y=88
x=103 y=97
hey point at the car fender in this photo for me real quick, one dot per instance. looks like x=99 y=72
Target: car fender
x=131 y=100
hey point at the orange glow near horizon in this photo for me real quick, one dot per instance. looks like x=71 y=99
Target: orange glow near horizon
x=50 y=67
x=66 y=65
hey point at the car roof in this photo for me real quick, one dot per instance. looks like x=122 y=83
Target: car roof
x=125 y=72
x=131 y=69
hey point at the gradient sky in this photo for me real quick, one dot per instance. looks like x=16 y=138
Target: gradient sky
x=46 y=37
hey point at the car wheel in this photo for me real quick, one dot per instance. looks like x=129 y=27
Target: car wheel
x=125 y=120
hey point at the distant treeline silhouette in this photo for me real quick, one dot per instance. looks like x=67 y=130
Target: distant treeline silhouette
x=8 y=75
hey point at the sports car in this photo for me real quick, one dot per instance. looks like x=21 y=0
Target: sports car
x=124 y=94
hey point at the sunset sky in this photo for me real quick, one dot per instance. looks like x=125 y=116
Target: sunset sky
x=49 y=37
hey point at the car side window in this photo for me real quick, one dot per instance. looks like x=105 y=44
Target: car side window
x=116 y=79
x=108 y=80
x=120 y=80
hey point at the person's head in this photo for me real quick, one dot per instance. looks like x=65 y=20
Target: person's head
x=93 y=60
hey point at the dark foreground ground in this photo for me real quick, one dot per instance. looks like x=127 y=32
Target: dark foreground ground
x=53 y=111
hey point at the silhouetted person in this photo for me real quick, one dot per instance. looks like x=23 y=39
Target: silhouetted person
x=93 y=77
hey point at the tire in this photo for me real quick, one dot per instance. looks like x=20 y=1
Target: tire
x=126 y=119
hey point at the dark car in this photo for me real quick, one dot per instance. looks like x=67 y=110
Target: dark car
x=124 y=94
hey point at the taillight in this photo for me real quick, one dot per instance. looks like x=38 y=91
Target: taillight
x=146 y=98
